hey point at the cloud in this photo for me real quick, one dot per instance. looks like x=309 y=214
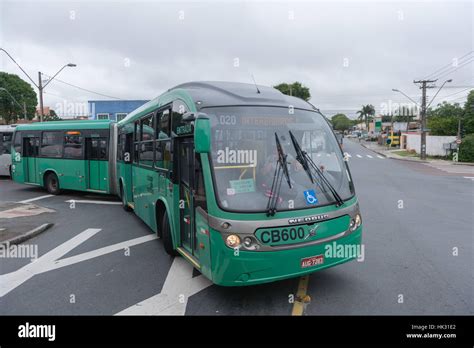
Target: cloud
x=349 y=53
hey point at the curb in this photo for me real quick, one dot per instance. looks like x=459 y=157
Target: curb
x=463 y=163
x=396 y=158
x=27 y=235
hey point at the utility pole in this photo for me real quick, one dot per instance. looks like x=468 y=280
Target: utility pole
x=423 y=88
x=40 y=90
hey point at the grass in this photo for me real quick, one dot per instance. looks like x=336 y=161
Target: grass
x=405 y=153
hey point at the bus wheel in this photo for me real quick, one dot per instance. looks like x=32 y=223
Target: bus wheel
x=167 y=241
x=125 y=206
x=52 y=184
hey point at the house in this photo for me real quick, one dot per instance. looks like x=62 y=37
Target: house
x=114 y=110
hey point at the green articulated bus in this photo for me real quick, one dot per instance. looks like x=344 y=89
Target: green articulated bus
x=247 y=184
x=75 y=155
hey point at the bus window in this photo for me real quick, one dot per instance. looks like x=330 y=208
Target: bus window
x=164 y=124
x=136 y=140
x=31 y=147
x=52 y=144
x=146 y=153
x=120 y=146
x=6 y=142
x=97 y=149
x=147 y=131
x=17 y=142
x=73 y=145
x=199 y=191
x=179 y=108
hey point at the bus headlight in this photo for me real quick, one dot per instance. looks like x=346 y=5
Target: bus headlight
x=355 y=223
x=232 y=241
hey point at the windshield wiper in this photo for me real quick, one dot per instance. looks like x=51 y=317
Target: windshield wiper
x=280 y=171
x=305 y=160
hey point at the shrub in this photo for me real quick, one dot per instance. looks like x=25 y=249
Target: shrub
x=466 y=149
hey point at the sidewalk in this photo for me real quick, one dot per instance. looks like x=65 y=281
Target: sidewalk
x=390 y=153
x=21 y=221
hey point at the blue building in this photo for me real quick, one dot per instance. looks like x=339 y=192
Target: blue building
x=115 y=110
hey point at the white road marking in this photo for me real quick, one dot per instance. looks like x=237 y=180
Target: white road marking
x=99 y=252
x=380 y=157
x=173 y=298
x=93 y=202
x=50 y=260
x=348 y=154
x=10 y=281
x=35 y=199
x=319 y=155
x=359 y=156
x=469 y=177
x=369 y=156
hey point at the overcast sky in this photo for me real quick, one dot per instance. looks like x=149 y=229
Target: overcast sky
x=348 y=52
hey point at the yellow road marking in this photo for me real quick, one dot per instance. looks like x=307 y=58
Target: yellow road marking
x=301 y=297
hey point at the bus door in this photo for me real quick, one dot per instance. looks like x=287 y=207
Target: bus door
x=128 y=159
x=186 y=193
x=96 y=162
x=30 y=158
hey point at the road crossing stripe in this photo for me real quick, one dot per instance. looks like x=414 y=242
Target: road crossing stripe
x=380 y=157
x=35 y=199
x=359 y=156
x=369 y=156
x=469 y=177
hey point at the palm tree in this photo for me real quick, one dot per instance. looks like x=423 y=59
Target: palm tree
x=366 y=114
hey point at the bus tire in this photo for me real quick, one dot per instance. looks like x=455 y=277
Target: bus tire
x=167 y=241
x=51 y=183
x=125 y=206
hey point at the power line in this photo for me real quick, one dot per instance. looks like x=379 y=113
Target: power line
x=448 y=95
x=84 y=89
x=459 y=67
x=450 y=65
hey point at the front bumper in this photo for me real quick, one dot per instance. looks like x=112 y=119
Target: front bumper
x=257 y=267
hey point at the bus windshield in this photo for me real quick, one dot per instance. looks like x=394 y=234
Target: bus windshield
x=244 y=158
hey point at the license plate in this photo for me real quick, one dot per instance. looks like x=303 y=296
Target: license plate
x=312 y=261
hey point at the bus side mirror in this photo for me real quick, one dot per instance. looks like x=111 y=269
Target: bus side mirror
x=202 y=134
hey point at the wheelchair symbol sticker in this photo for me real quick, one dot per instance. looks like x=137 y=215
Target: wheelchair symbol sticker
x=310 y=197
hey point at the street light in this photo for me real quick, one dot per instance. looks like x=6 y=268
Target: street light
x=41 y=87
x=397 y=90
x=40 y=82
x=408 y=117
x=450 y=80
x=13 y=98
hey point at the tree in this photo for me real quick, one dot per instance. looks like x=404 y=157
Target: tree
x=468 y=117
x=444 y=119
x=366 y=114
x=22 y=92
x=295 y=89
x=341 y=122
x=52 y=116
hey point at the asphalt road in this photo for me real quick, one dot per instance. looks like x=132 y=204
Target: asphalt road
x=98 y=259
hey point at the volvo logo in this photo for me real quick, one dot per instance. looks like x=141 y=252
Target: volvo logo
x=308 y=219
x=312 y=232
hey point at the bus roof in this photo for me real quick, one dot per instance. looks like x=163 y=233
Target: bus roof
x=65 y=125
x=7 y=128
x=199 y=95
